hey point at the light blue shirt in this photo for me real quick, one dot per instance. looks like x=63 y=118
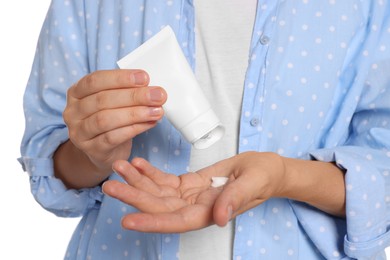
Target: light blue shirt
x=317 y=87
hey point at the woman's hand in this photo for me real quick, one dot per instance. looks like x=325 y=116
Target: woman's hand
x=104 y=111
x=170 y=203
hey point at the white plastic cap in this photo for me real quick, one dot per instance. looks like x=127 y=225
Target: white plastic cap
x=204 y=130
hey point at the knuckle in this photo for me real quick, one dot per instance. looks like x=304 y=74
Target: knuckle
x=101 y=121
x=131 y=116
x=73 y=135
x=108 y=139
x=120 y=77
x=90 y=79
x=69 y=92
x=139 y=96
x=66 y=116
x=100 y=101
x=133 y=97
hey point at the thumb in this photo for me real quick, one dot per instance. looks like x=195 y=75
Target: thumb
x=227 y=203
x=235 y=198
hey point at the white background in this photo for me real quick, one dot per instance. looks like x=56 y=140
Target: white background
x=26 y=230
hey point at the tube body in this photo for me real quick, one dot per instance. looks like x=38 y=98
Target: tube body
x=186 y=108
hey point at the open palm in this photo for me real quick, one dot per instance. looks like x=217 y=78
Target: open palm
x=167 y=203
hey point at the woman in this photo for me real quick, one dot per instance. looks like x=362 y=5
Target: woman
x=306 y=147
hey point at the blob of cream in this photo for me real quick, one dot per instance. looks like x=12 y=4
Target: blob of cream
x=218 y=181
x=186 y=108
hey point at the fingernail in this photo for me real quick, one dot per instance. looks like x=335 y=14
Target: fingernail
x=127 y=224
x=155 y=111
x=103 y=188
x=113 y=170
x=139 y=78
x=155 y=94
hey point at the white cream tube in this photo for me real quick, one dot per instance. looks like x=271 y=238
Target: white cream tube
x=187 y=107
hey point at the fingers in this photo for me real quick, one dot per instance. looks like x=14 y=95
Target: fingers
x=108 y=79
x=118 y=98
x=186 y=219
x=163 y=209
x=107 y=120
x=143 y=183
x=107 y=100
x=155 y=174
x=143 y=201
x=142 y=192
x=106 y=109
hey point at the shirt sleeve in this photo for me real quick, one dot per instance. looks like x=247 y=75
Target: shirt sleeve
x=364 y=155
x=60 y=60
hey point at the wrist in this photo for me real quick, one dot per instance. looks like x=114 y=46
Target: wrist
x=320 y=184
x=75 y=168
x=292 y=179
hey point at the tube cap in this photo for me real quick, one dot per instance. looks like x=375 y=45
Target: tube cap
x=204 y=130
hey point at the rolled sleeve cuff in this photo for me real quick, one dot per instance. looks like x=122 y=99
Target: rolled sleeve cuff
x=53 y=195
x=366 y=192
x=367 y=249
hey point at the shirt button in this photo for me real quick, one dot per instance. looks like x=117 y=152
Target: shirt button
x=254 y=121
x=264 y=39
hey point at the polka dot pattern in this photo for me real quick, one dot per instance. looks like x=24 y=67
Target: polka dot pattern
x=317 y=87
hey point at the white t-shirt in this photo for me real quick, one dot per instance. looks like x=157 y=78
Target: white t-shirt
x=223 y=32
